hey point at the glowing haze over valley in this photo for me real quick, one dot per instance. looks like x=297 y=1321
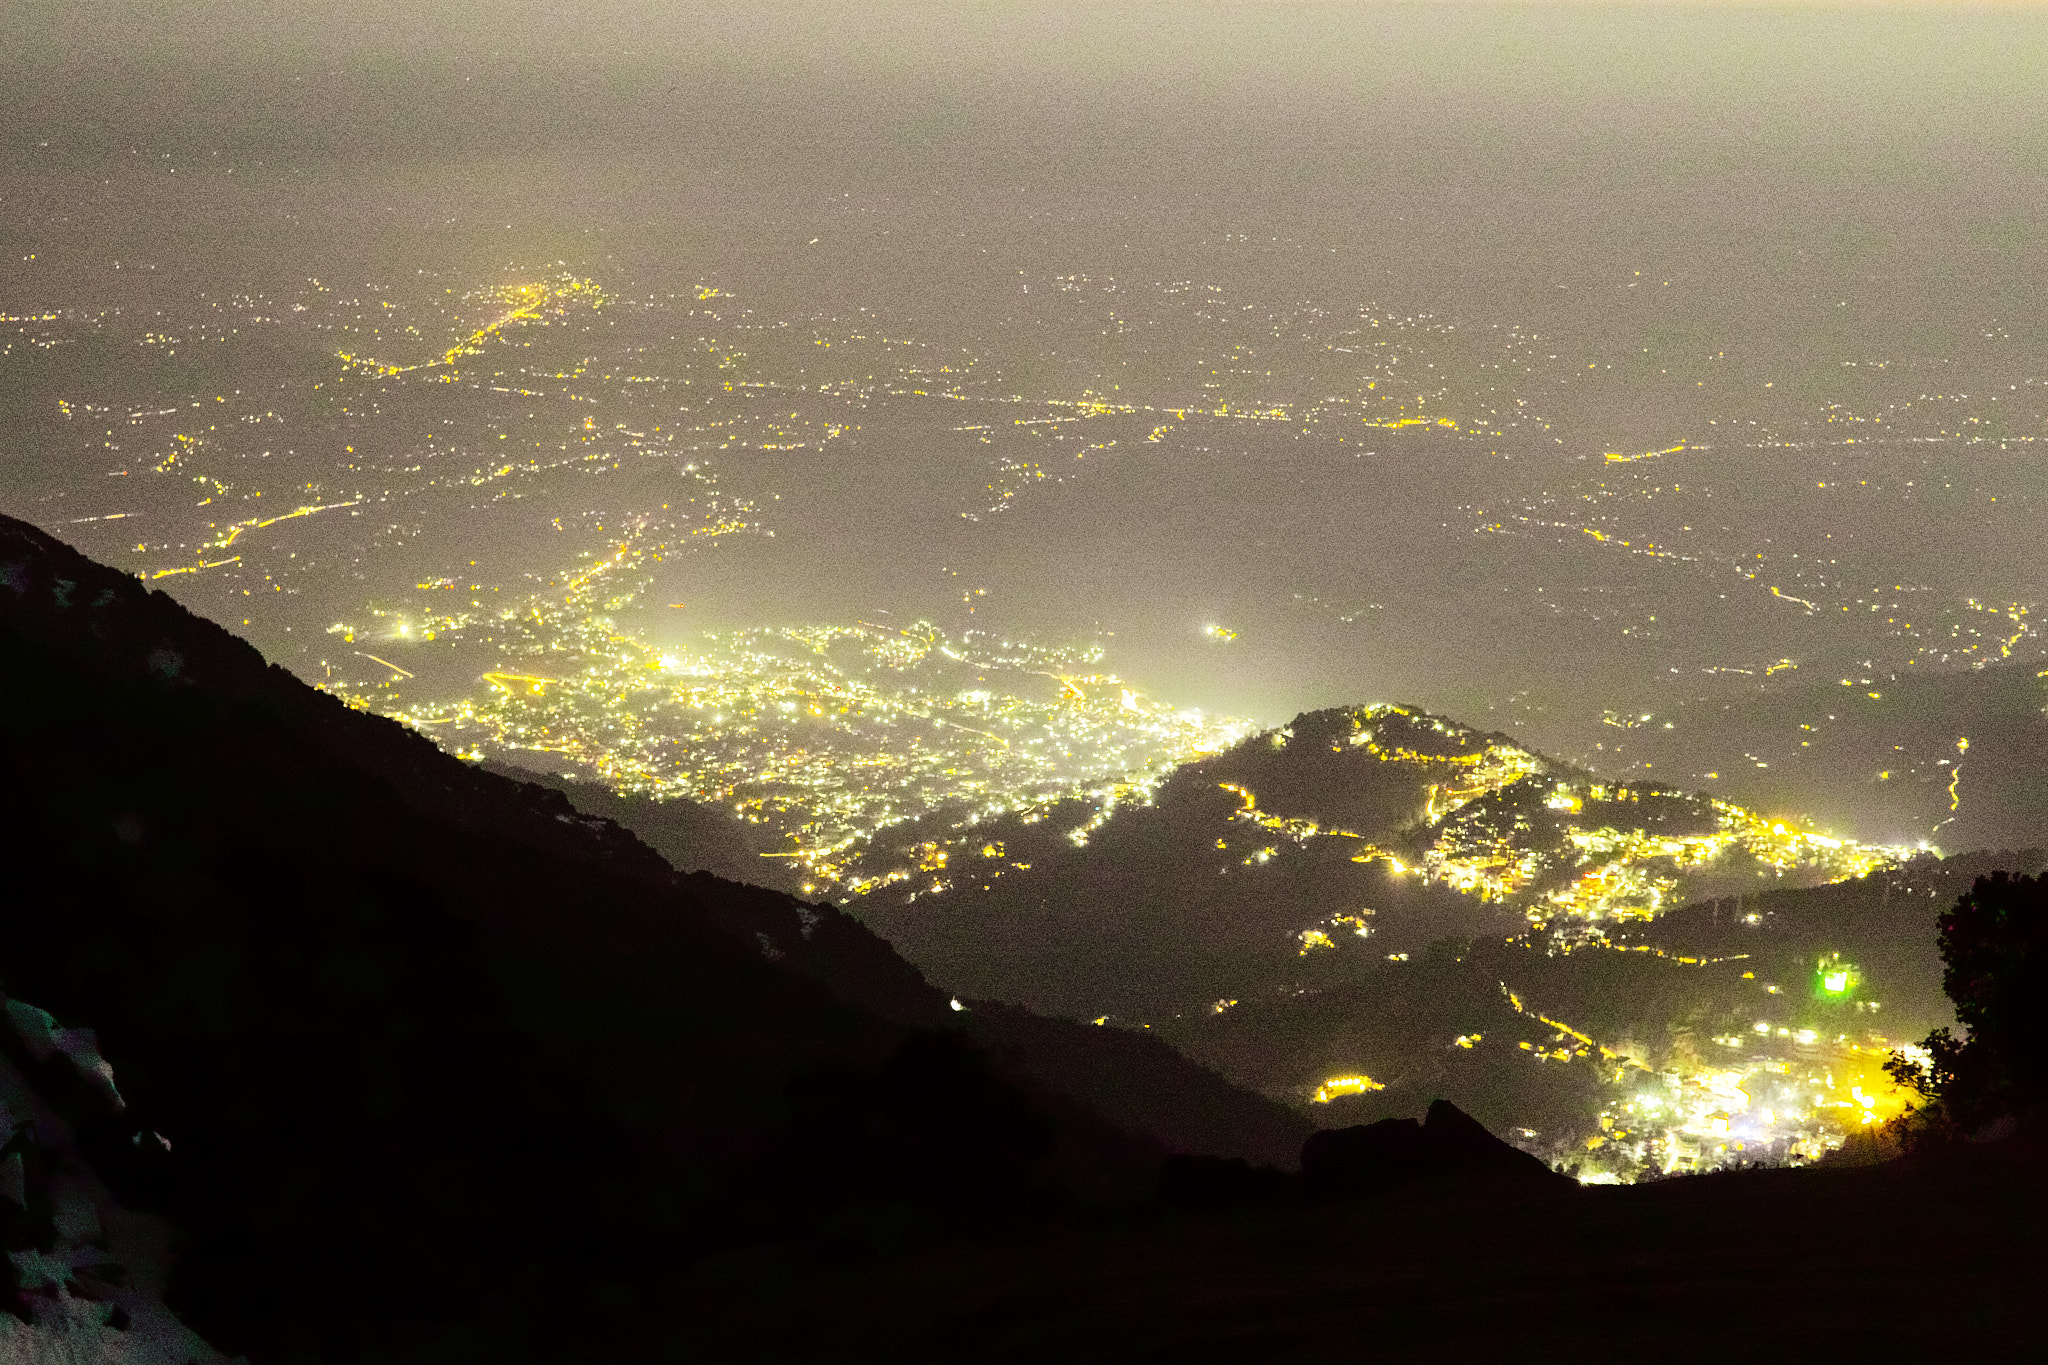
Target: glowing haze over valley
x=908 y=425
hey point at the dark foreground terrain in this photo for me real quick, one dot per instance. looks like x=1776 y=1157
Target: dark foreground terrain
x=410 y=1061
x=1922 y=1259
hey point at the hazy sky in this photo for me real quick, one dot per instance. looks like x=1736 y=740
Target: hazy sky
x=1570 y=232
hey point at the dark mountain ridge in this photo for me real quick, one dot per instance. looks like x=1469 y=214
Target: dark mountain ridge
x=692 y=836
x=1304 y=856
x=1540 y=1043
x=448 y=1071
x=372 y=996
x=1202 y=891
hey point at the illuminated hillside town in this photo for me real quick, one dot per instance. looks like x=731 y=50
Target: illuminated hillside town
x=1769 y=1095
x=1028 y=680
x=836 y=734
x=646 y=435
x=833 y=733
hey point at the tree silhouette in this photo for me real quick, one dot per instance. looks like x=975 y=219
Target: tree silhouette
x=1994 y=942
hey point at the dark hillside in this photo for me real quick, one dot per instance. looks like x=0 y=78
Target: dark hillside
x=374 y=998
x=690 y=835
x=1399 y=1024
x=1204 y=892
x=1128 y=1076
x=1882 y=925
x=1134 y=1079
x=1526 y=1037
x=1301 y=859
x=1912 y=1261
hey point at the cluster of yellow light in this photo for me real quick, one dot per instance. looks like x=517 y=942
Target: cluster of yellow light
x=1579 y=1044
x=1616 y=458
x=234 y=531
x=1962 y=747
x=1795 y=1103
x=1629 y=873
x=832 y=732
x=525 y=302
x=1795 y=1097
x=1610 y=872
x=195 y=568
x=1683 y=959
x=1343 y=1085
x=2014 y=612
x=1492 y=869
x=1473 y=772
x=1298 y=829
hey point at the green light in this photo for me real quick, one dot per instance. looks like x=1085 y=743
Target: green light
x=1836 y=982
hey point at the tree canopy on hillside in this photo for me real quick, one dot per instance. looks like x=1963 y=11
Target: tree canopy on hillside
x=1994 y=944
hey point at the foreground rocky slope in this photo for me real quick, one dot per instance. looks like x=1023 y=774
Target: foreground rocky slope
x=83 y=1276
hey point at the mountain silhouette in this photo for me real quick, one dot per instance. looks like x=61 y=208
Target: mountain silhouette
x=1660 y=996
x=342 y=1049
x=1303 y=857
x=1188 y=898
x=445 y=1066
x=1447 y=1144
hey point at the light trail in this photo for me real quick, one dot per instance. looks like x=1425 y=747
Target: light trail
x=1614 y=457
x=530 y=301
x=195 y=568
x=235 y=531
x=1955 y=781
x=500 y=679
